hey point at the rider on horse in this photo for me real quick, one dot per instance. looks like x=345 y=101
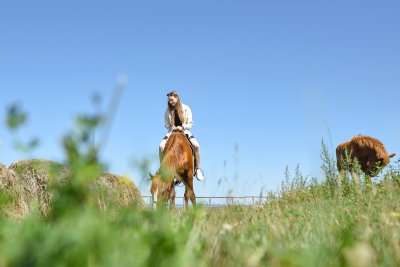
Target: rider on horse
x=178 y=116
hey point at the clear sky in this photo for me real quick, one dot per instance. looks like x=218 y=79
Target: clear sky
x=266 y=80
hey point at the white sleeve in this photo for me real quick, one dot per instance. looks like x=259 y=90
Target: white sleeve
x=166 y=120
x=189 y=119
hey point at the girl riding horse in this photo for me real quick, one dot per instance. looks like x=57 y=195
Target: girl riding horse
x=179 y=116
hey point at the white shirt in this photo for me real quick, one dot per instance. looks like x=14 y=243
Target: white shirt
x=188 y=116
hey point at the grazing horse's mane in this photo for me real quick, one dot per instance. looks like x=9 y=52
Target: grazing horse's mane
x=367 y=142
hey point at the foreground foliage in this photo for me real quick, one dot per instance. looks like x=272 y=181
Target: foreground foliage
x=305 y=225
x=310 y=222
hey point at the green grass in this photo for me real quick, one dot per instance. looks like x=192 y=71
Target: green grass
x=310 y=222
x=299 y=228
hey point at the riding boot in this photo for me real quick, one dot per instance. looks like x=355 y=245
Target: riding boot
x=198 y=172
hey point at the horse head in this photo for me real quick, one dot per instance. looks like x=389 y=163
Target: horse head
x=161 y=187
x=375 y=164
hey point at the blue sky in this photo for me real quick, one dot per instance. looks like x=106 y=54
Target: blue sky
x=266 y=80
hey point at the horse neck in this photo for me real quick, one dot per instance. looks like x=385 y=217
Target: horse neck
x=174 y=150
x=159 y=183
x=175 y=140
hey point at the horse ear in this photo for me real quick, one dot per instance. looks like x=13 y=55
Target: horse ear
x=151 y=176
x=392 y=155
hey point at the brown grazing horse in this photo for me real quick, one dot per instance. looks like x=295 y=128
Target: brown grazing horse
x=369 y=152
x=177 y=162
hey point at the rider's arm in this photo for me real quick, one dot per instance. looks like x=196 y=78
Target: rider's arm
x=167 y=124
x=189 y=119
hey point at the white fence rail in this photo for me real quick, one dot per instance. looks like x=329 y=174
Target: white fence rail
x=216 y=201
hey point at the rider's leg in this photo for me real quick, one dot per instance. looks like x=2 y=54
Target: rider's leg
x=196 y=148
x=161 y=148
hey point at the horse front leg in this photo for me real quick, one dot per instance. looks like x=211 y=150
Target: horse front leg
x=340 y=178
x=356 y=180
x=370 y=184
x=192 y=197
x=185 y=196
x=154 y=199
x=172 y=198
x=189 y=194
x=189 y=189
x=187 y=178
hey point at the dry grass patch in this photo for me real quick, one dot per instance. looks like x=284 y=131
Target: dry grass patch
x=27 y=183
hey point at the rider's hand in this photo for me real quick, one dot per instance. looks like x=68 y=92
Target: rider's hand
x=177 y=128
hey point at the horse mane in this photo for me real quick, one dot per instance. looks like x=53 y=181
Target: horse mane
x=173 y=151
x=342 y=147
x=367 y=142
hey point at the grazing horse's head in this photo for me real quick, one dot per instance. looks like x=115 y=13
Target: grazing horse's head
x=161 y=187
x=375 y=163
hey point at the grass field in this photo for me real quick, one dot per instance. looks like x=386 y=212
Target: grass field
x=309 y=222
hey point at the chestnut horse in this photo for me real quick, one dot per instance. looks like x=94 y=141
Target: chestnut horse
x=177 y=162
x=369 y=152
